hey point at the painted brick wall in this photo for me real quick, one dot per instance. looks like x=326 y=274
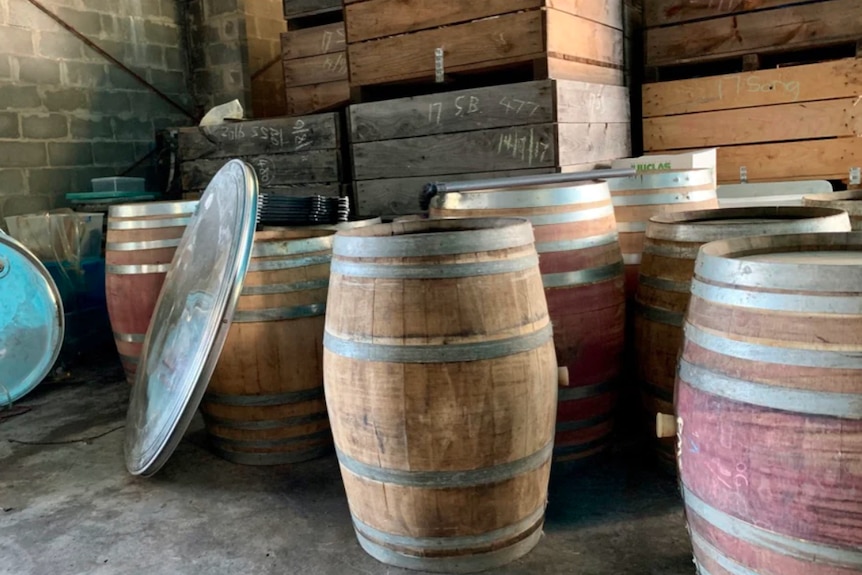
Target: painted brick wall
x=67 y=114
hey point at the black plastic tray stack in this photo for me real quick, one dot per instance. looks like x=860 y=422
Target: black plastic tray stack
x=278 y=210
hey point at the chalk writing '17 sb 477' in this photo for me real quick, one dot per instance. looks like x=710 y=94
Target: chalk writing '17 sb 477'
x=517 y=106
x=463 y=106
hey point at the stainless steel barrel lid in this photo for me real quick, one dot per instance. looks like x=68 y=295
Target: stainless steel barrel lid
x=192 y=318
x=31 y=321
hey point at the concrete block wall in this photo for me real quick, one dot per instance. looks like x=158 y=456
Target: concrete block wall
x=68 y=115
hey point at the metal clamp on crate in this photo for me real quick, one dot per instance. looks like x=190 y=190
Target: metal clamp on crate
x=432 y=189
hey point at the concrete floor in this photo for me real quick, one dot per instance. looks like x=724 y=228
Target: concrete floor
x=67 y=505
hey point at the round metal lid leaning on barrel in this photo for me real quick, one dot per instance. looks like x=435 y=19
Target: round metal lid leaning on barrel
x=582 y=273
x=769 y=405
x=429 y=324
x=666 y=270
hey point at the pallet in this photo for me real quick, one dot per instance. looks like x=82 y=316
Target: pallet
x=315 y=69
x=394 y=41
x=284 y=151
x=544 y=126
x=726 y=32
x=799 y=122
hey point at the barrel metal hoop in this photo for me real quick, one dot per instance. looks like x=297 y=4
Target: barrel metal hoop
x=264 y=400
x=675 y=179
x=460 y=564
x=577 y=244
x=122 y=269
x=222 y=442
x=435 y=244
x=801 y=549
x=662 y=199
x=631 y=227
x=269 y=289
x=451 y=353
x=279 y=313
x=392 y=271
x=679 y=251
x=149 y=224
x=658 y=315
x=522 y=198
x=273 y=265
x=138 y=246
x=664 y=284
x=130 y=337
x=740 y=297
x=586 y=391
x=265 y=423
x=153 y=209
x=130 y=359
x=580 y=277
x=447 y=479
x=841 y=405
x=292 y=247
x=769 y=354
x=718 y=557
x=571 y=217
x=632 y=259
x=451 y=543
x=274 y=457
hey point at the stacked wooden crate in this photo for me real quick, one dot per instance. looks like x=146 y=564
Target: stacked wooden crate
x=298 y=155
x=770 y=83
x=314 y=54
x=493 y=88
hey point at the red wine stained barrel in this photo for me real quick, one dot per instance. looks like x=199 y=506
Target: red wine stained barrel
x=769 y=406
x=579 y=256
x=670 y=249
x=440 y=382
x=850 y=202
x=141 y=241
x=638 y=198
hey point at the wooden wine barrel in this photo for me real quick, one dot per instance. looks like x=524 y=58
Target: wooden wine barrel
x=670 y=249
x=638 y=198
x=264 y=404
x=582 y=271
x=140 y=244
x=769 y=406
x=440 y=382
x=850 y=202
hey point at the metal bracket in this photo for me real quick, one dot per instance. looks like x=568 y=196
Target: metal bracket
x=743 y=175
x=855 y=176
x=439 y=72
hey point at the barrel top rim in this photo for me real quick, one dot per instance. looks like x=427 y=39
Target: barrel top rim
x=291 y=234
x=786 y=213
x=431 y=227
x=835 y=197
x=534 y=187
x=159 y=208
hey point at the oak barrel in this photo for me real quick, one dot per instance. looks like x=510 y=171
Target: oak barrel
x=638 y=198
x=440 y=382
x=264 y=404
x=850 y=202
x=671 y=246
x=140 y=245
x=769 y=406
x=582 y=271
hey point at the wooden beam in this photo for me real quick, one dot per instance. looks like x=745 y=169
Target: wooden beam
x=317 y=97
x=783 y=122
x=811 y=159
x=570 y=36
x=769 y=31
x=826 y=80
x=272 y=170
x=592 y=143
x=316 y=69
x=664 y=12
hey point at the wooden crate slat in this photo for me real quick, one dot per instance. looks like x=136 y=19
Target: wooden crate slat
x=583 y=102
x=826 y=80
x=298 y=8
x=400 y=196
x=664 y=12
x=782 y=122
x=591 y=143
x=461 y=111
x=313 y=41
x=512 y=37
x=381 y=18
x=769 y=31
x=519 y=147
x=316 y=69
x=317 y=97
x=272 y=170
x=577 y=38
x=581 y=71
x=607 y=12
x=273 y=136
x=811 y=159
